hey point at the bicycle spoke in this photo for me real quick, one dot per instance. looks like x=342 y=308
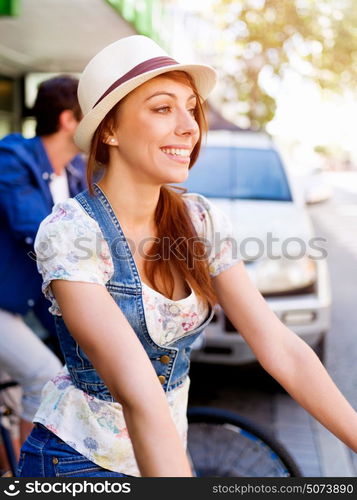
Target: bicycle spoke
x=228 y=451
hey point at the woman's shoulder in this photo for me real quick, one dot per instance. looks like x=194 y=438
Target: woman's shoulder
x=198 y=207
x=215 y=225
x=196 y=200
x=66 y=211
x=67 y=215
x=205 y=215
x=67 y=222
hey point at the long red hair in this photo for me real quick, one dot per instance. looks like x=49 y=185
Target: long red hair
x=171 y=216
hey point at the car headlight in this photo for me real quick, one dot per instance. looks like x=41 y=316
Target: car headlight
x=282 y=275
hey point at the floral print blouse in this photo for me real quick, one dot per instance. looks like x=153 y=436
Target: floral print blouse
x=93 y=427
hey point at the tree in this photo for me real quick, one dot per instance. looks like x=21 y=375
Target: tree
x=317 y=38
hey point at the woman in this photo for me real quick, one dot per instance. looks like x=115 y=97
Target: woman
x=132 y=272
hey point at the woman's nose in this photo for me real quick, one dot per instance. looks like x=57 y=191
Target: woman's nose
x=186 y=124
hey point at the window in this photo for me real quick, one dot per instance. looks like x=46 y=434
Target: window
x=239 y=173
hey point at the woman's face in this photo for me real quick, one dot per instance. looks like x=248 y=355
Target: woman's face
x=156 y=131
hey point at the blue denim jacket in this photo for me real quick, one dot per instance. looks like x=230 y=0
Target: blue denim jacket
x=171 y=362
x=25 y=200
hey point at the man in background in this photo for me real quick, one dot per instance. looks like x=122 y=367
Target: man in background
x=35 y=174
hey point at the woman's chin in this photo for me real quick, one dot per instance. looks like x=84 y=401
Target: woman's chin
x=178 y=177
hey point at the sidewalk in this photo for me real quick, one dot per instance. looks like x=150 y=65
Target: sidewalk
x=318 y=452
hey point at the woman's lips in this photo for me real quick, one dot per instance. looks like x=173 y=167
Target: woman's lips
x=177 y=158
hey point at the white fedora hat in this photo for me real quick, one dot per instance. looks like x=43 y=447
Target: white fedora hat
x=117 y=70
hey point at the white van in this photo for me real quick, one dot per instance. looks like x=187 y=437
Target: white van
x=244 y=175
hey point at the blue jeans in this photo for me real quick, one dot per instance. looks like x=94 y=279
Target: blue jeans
x=45 y=455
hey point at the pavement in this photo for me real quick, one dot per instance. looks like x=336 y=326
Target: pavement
x=317 y=452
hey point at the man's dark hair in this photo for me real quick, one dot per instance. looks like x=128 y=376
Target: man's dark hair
x=54 y=96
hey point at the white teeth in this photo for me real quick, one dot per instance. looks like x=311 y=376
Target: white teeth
x=177 y=152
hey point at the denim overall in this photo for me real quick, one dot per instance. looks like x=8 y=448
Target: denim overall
x=171 y=362
x=44 y=454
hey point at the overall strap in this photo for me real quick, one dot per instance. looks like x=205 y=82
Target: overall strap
x=99 y=208
x=125 y=286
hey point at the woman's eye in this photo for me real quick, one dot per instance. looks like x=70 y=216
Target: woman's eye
x=166 y=109
x=162 y=109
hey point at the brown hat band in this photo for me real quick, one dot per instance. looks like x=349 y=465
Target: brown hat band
x=149 y=65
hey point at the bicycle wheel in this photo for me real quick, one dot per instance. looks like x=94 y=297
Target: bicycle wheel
x=224 y=444
x=5 y=434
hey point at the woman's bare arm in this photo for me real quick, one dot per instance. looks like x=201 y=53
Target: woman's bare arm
x=284 y=355
x=103 y=332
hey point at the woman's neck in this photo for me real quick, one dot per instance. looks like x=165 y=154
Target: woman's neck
x=134 y=205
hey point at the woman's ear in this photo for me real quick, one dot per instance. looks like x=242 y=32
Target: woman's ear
x=108 y=134
x=112 y=141
x=108 y=131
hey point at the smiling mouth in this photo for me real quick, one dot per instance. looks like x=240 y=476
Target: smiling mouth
x=181 y=155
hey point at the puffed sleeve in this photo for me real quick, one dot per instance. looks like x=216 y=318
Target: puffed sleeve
x=216 y=230
x=69 y=245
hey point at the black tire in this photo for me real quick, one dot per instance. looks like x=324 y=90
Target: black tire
x=224 y=444
x=5 y=433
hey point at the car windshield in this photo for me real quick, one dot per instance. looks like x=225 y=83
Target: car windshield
x=244 y=173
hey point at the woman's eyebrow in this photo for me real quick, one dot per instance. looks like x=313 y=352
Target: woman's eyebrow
x=169 y=94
